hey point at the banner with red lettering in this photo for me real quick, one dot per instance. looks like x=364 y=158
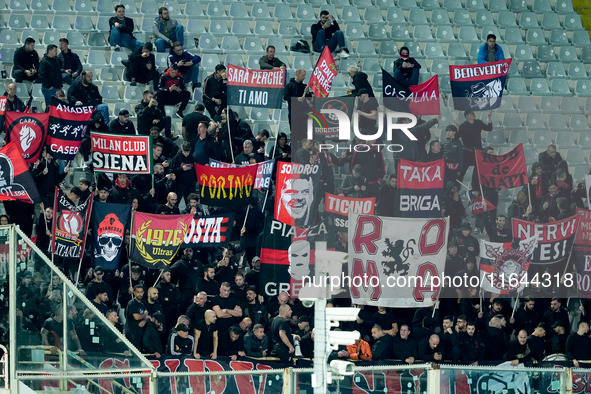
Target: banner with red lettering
x=324 y=73
x=478 y=87
x=16 y=181
x=421 y=99
x=477 y=204
x=67 y=128
x=392 y=261
x=504 y=171
x=156 y=239
x=2 y=105
x=287 y=256
x=584 y=231
x=264 y=171
x=255 y=88
x=225 y=186
x=336 y=214
x=209 y=231
x=28 y=132
x=295 y=192
x=126 y=154
x=420 y=188
x=582 y=253
x=555 y=239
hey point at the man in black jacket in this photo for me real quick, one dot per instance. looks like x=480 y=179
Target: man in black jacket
x=84 y=92
x=382 y=347
x=70 y=64
x=26 y=62
x=149 y=115
x=50 y=75
x=256 y=342
x=471 y=346
x=405 y=348
x=495 y=339
x=183 y=166
x=406 y=68
x=214 y=91
x=141 y=66
x=172 y=90
x=153 y=335
x=327 y=32
x=578 y=344
x=121 y=31
x=13 y=103
x=295 y=88
x=122 y=125
x=430 y=349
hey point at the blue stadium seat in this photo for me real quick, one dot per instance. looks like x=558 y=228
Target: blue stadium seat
x=456 y=51
x=570 y=105
x=75 y=38
x=417 y=16
x=541 y=139
x=474 y=5
x=17 y=5
x=415 y=49
x=533 y=121
x=230 y=44
x=451 y=5
x=253 y=62
x=50 y=37
x=161 y=60
x=371 y=65
x=395 y=15
x=556 y=70
x=512 y=36
x=374 y=14
x=192 y=9
x=517 y=87
x=484 y=18
x=586 y=55
x=302 y=61
x=580 y=171
x=366 y=48
x=585 y=142
x=560 y=87
x=210 y=60
x=388 y=49
x=102 y=24
x=377 y=32
x=61 y=23
x=216 y=9
x=8 y=37
x=557 y=122
x=29 y=33
x=429 y=4
x=64 y=5
x=288 y=28
x=578 y=121
x=40 y=6
x=235 y=59
x=422 y=33
x=541 y=6
x=109 y=74
x=433 y=50
x=96 y=40
x=523 y=52
x=496 y=138
x=581 y=38
x=399 y=32
x=563 y=6
x=195 y=26
x=116 y=58
x=173 y=7
x=110 y=93
x=518 y=137
x=549 y=105
x=150 y=8
x=208 y=42
x=439 y=66
x=558 y=37
x=355 y=31
x=407 y=4
x=497 y=5
x=105 y=6
x=282 y=12
x=83 y=23
x=305 y=13
x=467 y=34
x=439 y=17
x=528 y=20
x=575 y=155
x=133 y=93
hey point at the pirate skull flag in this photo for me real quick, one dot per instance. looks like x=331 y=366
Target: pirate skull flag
x=110 y=222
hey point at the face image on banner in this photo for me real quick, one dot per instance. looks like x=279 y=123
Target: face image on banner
x=294 y=195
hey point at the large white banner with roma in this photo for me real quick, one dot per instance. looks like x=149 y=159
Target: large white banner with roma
x=396 y=262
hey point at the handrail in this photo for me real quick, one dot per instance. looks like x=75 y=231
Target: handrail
x=4 y=374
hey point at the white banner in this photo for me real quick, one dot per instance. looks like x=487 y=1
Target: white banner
x=393 y=262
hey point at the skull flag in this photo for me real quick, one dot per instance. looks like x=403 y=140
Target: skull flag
x=110 y=222
x=70 y=225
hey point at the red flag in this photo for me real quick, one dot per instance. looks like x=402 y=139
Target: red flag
x=324 y=73
x=225 y=186
x=502 y=171
x=2 y=105
x=477 y=207
x=28 y=131
x=424 y=99
x=16 y=181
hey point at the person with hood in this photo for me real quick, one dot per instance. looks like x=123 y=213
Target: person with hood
x=187 y=63
x=141 y=66
x=172 y=90
x=406 y=68
x=166 y=30
x=70 y=64
x=359 y=81
x=183 y=166
x=50 y=74
x=26 y=62
x=490 y=51
x=453 y=153
x=466 y=241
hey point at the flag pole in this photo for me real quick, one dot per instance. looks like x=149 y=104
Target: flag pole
x=515 y=306
x=157 y=279
x=246 y=216
x=87 y=218
x=481 y=300
x=129 y=248
x=229 y=131
x=570 y=253
x=467 y=188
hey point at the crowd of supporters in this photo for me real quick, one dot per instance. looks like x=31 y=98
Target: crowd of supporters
x=209 y=303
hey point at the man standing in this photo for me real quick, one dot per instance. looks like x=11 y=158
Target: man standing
x=149 y=115
x=166 y=30
x=281 y=335
x=578 y=344
x=471 y=134
x=327 y=32
x=170 y=207
x=453 y=153
x=269 y=61
x=244 y=157
x=183 y=167
x=191 y=123
x=172 y=90
x=226 y=308
x=490 y=51
x=84 y=92
x=13 y=103
x=141 y=66
x=204 y=147
x=137 y=316
x=70 y=63
x=50 y=75
x=214 y=91
x=121 y=31
x=187 y=63
x=26 y=62
x=296 y=88
x=122 y=125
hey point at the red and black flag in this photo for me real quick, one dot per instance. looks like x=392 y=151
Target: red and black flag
x=156 y=239
x=110 y=221
x=67 y=127
x=325 y=71
x=422 y=99
x=225 y=186
x=209 y=231
x=336 y=213
x=502 y=171
x=16 y=181
x=287 y=256
x=70 y=225
x=255 y=88
x=420 y=188
x=28 y=131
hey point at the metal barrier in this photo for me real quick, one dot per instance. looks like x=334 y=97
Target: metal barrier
x=4 y=369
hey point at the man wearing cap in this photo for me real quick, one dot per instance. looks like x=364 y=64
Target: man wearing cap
x=103 y=194
x=97 y=283
x=557 y=313
x=466 y=241
x=181 y=343
x=172 y=91
x=536 y=342
x=122 y=125
x=153 y=335
x=303 y=326
x=578 y=344
x=557 y=343
x=206 y=337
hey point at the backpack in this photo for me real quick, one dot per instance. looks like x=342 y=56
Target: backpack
x=301 y=46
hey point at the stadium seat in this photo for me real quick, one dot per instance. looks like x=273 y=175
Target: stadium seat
x=415 y=49
x=557 y=122
x=399 y=32
x=439 y=17
x=581 y=38
x=546 y=53
x=150 y=8
x=161 y=60
x=570 y=105
x=444 y=33
x=96 y=58
x=40 y=6
x=102 y=24
x=260 y=114
x=586 y=55
x=216 y=9
x=533 y=121
x=517 y=87
x=371 y=65
x=218 y=27
x=578 y=121
x=208 y=42
x=439 y=66
x=512 y=36
x=518 y=137
x=109 y=74
x=133 y=93
x=235 y=59
x=96 y=40
x=541 y=6
x=585 y=140
x=497 y=5
x=195 y=26
x=433 y=50
x=580 y=171
x=474 y=5
x=252 y=44
x=568 y=54
x=374 y=14
x=209 y=61
x=83 y=23
x=518 y=6
x=17 y=5
x=407 y=4
x=61 y=23
x=263 y=29
x=583 y=88
x=417 y=16
x=456 y=51
x=282 y=12
x=451 y=5
x=173 y=7
x=117 y=57
x=260 y=11
x=549 y=105
x=105 y=6
x=496 y=138
x=575 y=155
x=572 y=21
x=51 y=37
x=484 y=18
x=355 y=31
x=429 y=4
x=302 y=61
x=366 y=48
x=555 y=70
x=528 y=20
x=395 y=15
x=576 y=70
x=75 y=38
x=388 y=49
x=253 y=62
x=110 y=93
x=550 y=21
x=563 y=6
x=305 y=13
x=278 y=43
x=8 y=37
x=535 y=36
x=523 y=52
x=17 y=21
x=462 y=18
x=38 y=22
x=506 y=18
x=531 y=69
x=467 y=34
x=560 y=87
x=377 y=32
x=191 y=10
x=558 y=37
x=230 y=44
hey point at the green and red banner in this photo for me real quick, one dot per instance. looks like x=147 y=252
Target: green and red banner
x=126 y=154
x=16 y=181
x=225 y=186
x=28 y=131
x=156 y=239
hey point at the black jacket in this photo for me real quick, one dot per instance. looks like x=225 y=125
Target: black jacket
x=24 y=60
x=146 y=115
x=50 y=73
x=116 y=127
x=151 y=341
x=126 y=27
x=166 y=81
x=188 y=177
x=69 y=61
x=471 y=349
x=495 y=342
x=87 y=95
x=334 y=27
x=404 y=348
x=382 y=348
x=253 y=347
x=360 y=82
x=293 y=89
x=138 y=63
x=213 y=88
